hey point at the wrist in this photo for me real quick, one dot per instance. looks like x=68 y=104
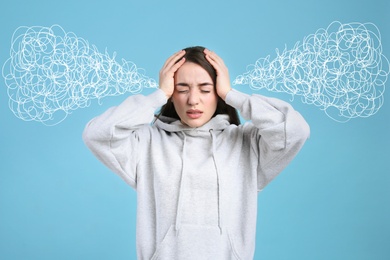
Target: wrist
x=224 y=93
x=167 y=93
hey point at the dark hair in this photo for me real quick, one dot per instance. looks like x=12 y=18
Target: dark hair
x=197 y=56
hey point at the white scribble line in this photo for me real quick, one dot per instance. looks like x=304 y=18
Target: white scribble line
x=340 y=69
x=50 y=73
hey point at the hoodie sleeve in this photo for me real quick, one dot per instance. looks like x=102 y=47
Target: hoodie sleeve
x=278 y=134
x=113 y=137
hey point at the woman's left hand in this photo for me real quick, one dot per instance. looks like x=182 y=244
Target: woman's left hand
x=223 y=79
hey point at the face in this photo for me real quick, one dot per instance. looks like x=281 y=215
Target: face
x=194 y=97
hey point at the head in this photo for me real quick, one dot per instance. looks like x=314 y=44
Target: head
x=195 y=100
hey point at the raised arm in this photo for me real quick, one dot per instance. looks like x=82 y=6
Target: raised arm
x=279 y=131
x=115 y=136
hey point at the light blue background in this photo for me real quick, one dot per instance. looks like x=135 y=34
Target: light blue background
x=58 y=202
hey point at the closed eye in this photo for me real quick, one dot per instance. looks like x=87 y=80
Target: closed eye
x=182 y=91
x=182 y=87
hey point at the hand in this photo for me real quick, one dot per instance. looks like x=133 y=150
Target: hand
x=167 y=72
x=223 y=79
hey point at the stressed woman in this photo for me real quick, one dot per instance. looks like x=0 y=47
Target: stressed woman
x=197 y=171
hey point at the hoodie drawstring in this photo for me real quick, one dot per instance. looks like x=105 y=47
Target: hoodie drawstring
x=180 y=199
x=213 y=140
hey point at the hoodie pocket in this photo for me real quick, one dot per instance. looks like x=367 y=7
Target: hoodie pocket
x=192 y=242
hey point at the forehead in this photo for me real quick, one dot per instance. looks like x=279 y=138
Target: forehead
x=192 y=72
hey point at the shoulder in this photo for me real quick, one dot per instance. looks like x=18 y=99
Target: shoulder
x=245 y=131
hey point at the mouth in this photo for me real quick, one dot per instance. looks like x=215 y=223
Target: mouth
x=194 y=113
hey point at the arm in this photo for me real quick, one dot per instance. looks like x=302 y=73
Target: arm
x=279 y=132
x=113 y=137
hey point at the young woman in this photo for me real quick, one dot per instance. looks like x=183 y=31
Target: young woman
x=196 y=170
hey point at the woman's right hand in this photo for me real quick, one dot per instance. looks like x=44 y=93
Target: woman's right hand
x=167 y=72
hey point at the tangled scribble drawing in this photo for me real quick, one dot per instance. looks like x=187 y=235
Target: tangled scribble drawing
x=340 y=69
x=51 y=72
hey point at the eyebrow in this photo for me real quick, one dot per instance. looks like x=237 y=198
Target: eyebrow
x=183 y=84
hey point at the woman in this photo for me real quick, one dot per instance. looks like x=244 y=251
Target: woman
x=196 y=170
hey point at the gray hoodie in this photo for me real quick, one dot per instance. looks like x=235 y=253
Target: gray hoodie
x=197 y=187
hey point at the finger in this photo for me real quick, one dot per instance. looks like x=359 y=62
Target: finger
x=173 y=66
x=173 y=59
x=213 y=56
x=219 y=66
x=215 y=60
x=177 y=65
x=174 y=56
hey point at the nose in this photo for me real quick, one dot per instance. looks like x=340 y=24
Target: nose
x=193 y=98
